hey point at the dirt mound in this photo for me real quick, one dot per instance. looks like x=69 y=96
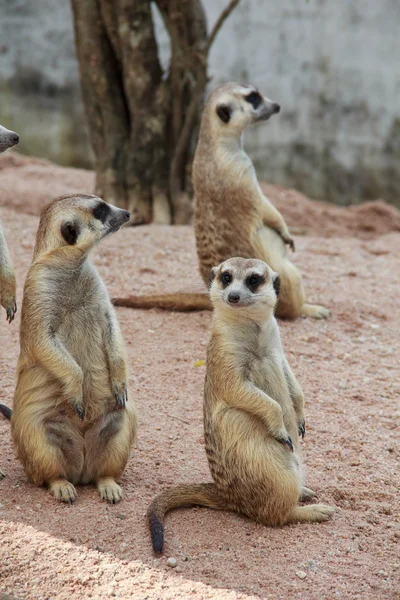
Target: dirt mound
x=311 y=217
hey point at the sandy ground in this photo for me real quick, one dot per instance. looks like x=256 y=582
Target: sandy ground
x=349 y=370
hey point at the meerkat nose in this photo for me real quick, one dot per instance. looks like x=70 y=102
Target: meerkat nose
x=276 y=107
x=15 y=138
x=127 y=215
x=233 y=298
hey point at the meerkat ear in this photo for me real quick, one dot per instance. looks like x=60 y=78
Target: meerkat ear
x=70 y=232
x=276 y=282
x=211 y=276
x=224 y=112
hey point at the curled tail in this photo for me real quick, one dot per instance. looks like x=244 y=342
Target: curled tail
x=202 y=494
x=7 y=412
x=180 y=302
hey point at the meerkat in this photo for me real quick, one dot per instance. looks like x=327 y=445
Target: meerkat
x=72 y=422
x=232 y=217
x=253 y=410
x=8 y=139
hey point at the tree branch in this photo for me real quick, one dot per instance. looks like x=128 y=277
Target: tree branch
x=220 y=21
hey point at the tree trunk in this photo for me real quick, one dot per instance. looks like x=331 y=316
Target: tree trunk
x=142 y=121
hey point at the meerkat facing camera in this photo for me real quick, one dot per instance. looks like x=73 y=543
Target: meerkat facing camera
x=8 y=139
x=253 y=410
x=71 y=421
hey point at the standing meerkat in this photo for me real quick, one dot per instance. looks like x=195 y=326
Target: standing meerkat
x=232 y=217
x=253 y=410
x=71 y=421
x=8 y=139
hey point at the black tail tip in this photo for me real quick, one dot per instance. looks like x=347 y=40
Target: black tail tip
x=7 y=412
x=157 y=533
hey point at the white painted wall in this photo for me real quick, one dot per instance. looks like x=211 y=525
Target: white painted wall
x=333 y=65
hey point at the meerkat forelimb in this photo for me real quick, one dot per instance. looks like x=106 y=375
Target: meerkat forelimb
x=253 y=410
x=8 y=139
x=72 y=422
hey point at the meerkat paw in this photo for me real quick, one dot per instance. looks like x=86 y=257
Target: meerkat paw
x=287 y=238
x=120 y=394
x=10 y=305
x=109 y=490
x=311 y=513
x=307 y=494
x=301 y=425
x=315 y=311
x=63 y=490
x=286 y=441
x=79 y=407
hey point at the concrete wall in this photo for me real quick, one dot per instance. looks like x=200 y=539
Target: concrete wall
x=333 y=65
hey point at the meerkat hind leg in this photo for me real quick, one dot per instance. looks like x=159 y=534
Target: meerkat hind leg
x=311 y=513
x=108 y=447
x=315 y=311
x=63 y=490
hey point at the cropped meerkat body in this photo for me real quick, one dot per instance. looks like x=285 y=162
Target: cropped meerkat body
x=8 y=139
x=232 y=215
x=253 y=410
x=71 y=421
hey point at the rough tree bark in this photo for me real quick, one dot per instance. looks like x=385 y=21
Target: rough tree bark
x=142 y=121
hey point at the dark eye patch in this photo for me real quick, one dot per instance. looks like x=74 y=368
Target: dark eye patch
x=254 y=281
x=254 y=98
x=101 y=211
x=70 y=232
x=226 y=278
x=277 y=285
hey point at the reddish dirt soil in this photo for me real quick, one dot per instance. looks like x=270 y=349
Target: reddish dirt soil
x=349 y=370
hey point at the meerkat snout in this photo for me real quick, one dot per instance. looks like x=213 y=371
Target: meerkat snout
x=8 y=138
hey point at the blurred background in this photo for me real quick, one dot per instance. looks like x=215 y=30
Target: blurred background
x=332 y=65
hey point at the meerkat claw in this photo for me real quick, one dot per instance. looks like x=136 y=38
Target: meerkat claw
x=80 y=410
x=302 y=428
x=121 y=396
x=286 y=442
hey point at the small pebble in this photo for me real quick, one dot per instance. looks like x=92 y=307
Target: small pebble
x=172 y=562
x=121 y=516
x=301 y=574
x=3 y=474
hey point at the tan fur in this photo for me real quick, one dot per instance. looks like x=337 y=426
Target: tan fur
x=253 y=412
x=8 y=139
x=232 y=215
x=71 y=423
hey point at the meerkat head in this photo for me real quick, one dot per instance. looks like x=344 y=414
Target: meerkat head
x=8 y=139
x=245 y=287
x=77 y=220
x=236 y=106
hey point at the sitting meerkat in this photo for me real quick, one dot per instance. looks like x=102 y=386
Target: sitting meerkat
x=232 y=217
x=8 y=139
x=253 y=410
x=71 y=421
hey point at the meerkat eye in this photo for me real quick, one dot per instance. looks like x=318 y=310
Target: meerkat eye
x=253 y=281
x=101 y=211
x=226 y=278
x=254 y=98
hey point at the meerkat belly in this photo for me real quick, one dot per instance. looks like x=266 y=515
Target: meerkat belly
x=82 y=335
x=267 y=374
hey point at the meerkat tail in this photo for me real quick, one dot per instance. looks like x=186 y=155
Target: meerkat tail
x=202 y=494
x=7 y=412
x=180 y=302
